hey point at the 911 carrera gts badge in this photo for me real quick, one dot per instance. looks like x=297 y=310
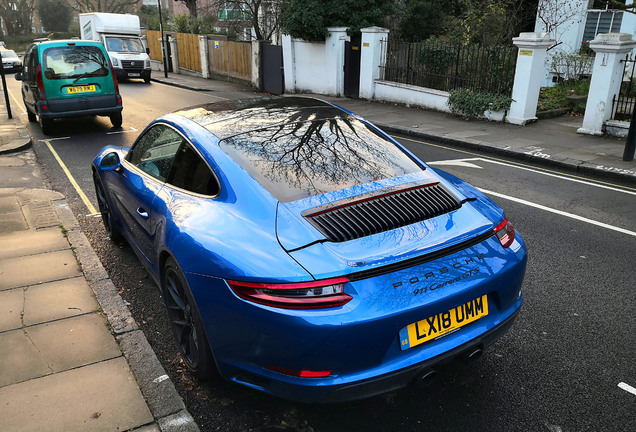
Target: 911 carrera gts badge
x=459 y=265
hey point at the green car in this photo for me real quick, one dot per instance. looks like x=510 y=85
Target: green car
x=69 y=78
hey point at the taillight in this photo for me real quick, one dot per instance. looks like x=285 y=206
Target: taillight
x=505 y=233
x=112 y=71
x=299 y=373
x=304 y=295
x=40 y=81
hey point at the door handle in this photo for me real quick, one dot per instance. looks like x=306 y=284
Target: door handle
x=143 y=213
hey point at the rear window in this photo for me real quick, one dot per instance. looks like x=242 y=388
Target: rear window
x=74 y=61
x=299 y=160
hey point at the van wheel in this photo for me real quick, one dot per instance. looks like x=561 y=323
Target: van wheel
x=116 y=119
x=32 y=117
x=46 y=125
x=147 y=80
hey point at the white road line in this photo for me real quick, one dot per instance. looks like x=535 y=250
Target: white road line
x=132 y=129
x=627 y=388
x=18 y=103
x=559 y=212
x=54 y=139
x=465 y=162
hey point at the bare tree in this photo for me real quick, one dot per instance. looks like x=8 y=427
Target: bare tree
x=555 y=16
x=17 y=15
x=112 y=6
x=263 y=15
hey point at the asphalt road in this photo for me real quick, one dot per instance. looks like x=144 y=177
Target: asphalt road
x=558 y=369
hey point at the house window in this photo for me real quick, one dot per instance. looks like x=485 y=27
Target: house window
x=230 y=12
x=601 y=21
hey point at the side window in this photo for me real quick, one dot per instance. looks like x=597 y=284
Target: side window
x=191 y=173
x=31 y=65
x=154 y=152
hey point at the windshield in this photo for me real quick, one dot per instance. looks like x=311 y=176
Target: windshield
x=74 y=62
x=122 y=44
x=9 y=54
x=299 y=160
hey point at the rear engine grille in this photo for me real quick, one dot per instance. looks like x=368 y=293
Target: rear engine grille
x=383 y=213
x=130 y=67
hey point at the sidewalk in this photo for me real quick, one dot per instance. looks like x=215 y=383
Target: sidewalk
x=72 y=357
x=552 y=142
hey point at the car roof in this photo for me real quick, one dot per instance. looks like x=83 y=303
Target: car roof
x=68 y=42
x=229 y=118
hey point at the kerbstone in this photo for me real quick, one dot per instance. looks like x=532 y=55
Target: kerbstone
x=98 y=397
x=34 y=269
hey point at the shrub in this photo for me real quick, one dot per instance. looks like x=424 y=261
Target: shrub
x=472 y=104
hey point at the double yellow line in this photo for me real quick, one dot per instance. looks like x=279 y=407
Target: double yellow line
x=80 y=192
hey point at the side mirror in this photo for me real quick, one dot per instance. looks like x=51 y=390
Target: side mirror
x=110 y=162
x=148 y=51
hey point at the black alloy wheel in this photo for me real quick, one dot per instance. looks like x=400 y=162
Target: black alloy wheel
x=104 y=209
x=186 y=322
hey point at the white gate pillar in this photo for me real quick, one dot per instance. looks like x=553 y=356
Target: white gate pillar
x=174 y=52
x=607 y=75
x=334 y=57
x=528 y=76
x=373 y=55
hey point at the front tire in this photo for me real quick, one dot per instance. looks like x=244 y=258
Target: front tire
x=116 y=119
x=186 y=322
x=104 y=209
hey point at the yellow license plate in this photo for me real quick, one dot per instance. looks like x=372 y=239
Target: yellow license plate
x=80 y=89
x=443 y=323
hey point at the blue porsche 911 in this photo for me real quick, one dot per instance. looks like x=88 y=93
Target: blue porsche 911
x=303 y=252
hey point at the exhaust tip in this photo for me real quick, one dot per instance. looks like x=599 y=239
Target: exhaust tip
x=471 y=356
x=426 y=378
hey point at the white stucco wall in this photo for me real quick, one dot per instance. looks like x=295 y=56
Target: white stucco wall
x=312 y=76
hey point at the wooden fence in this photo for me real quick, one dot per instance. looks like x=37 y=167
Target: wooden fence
x=154 y=43
x=188 y=51
x=233 y=59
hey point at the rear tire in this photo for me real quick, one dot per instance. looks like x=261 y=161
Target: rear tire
x=116 y=119
x=46 y=125
x=107 y=215
x=186 y=322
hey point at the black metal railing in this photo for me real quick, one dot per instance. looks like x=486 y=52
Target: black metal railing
x=623 y=102
x=446 y=67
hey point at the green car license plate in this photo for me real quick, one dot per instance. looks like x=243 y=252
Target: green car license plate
x=443 y=323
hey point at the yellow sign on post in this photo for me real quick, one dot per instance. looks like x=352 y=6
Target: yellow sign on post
x=525 y=52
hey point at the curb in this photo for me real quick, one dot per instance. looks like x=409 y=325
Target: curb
x=164 y=402
x=183 y=86
x=23 y=142
x=571 y=165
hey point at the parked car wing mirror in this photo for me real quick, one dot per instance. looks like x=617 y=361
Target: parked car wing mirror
x=148 y=51
x=110 y=162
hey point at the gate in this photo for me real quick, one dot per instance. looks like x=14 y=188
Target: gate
x=352 y=70
x=623 y=102
x=272 y=62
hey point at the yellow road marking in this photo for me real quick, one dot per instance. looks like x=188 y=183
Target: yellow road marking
x=516 y=163
x=80 y=192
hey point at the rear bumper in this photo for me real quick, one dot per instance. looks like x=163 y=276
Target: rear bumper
x=360 y=341
x=378 y=384
x=77 y=107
